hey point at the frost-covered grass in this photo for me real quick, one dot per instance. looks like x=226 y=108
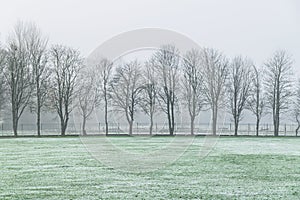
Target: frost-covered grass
x=236 y=168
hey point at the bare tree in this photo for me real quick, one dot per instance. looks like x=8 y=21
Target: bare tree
x=18 y=74
x=36 y=46
x=193 y=85
x=66 y=64
x=104 y=67
x=256 y=102
x=239 y=88
x=215 y=67
x=278 y=85
x=296 y=107
x=166 y=63
x=2 y=80
x=125 y=90
x=149 y=93
x=88 y=95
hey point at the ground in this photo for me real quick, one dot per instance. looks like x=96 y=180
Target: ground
x=235 y=168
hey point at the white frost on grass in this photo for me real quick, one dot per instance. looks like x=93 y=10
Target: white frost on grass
x=252 y=145
x=237 y=168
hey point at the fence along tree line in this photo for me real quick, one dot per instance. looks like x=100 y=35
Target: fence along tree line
x=40 y=78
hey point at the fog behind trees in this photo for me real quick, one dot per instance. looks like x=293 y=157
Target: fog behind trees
x=56 y=79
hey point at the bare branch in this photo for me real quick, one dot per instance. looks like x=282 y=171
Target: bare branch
x=239 y=88
x=166 y=63
x=88 y=95
x=215 y=67
x=193 y=84
x=278 y=83
x=125 y=90
x=17 y=73
x=66 y=64
x=149 y=93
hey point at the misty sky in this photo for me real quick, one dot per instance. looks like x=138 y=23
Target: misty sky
x=254 y=28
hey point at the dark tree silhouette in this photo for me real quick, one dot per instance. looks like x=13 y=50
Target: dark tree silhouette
x=278 y=76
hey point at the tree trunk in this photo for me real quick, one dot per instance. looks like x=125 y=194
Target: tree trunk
x=14 y=116
x=277 y=128
x=297 y=129
x=38 y=104
x=105 y=114
x=130 y=127
x=275 y=131
x=276 y=125
x=257 y=126
x=172 y=118
x=274 y=122
x=257 y=109
x=277 y=113
x=169 y=119
x=62 y=129
x=38 y=121
x=236 y=128
x=15 y=125
x=83 y=126
x=151 y=124
x=192 y=125
x=214 y=119
x=63 y=126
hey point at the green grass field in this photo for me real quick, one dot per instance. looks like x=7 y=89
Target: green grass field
x=236 y=168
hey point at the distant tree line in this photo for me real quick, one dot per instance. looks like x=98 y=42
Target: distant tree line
x=40 y=78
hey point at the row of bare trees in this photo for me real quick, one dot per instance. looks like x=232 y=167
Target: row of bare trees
x=204 y=79
x=41 y=78
x=36 y=77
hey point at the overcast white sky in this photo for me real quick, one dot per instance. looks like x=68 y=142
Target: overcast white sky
x=254 y=28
